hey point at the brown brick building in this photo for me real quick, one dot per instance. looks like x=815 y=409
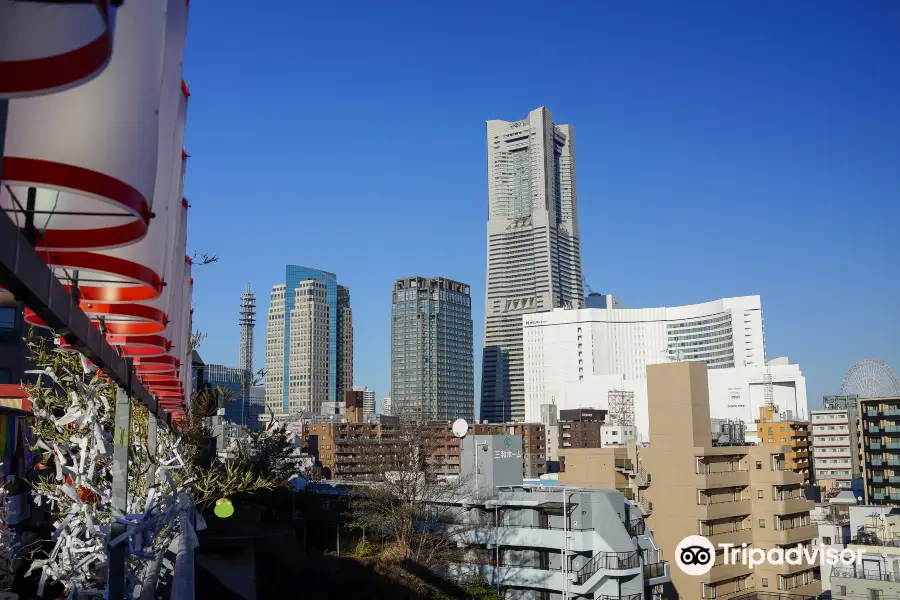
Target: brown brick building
x=580 y=428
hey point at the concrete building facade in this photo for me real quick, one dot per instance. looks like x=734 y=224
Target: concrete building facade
x=575 y=358
x=835 y=440
x=729 y=494
x=533 y=247
x=775 y=428
x=879 y=431
x=432 y=361
x=311 y=368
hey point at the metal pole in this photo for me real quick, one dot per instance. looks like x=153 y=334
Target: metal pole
x=121 y=441
x=497 y=544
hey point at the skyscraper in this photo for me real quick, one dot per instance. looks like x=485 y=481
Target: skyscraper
x=307 y=369
x=432 y=373
x=344 y=368
x=533 y=247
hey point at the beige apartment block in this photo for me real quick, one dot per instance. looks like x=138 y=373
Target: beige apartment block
x=619 y=468
x=729 y=493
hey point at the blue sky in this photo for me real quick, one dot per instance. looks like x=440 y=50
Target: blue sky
x=722 y=148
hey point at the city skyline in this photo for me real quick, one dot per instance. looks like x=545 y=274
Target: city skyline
x=716 y=159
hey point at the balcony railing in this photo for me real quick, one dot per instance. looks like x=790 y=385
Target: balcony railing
x=628 y=597
x=872 y=540
x=851 y=573
x=654 y=570
x=610 y=561
x=636 y=527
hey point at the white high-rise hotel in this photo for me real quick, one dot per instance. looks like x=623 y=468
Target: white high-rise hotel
x=573 y=358
x=533 y=247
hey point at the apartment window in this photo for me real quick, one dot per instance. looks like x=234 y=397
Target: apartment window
x=759 y=465
x=759 y=494
x=826 y=541
x=771 y=440
x=841 y=590
x=765 y=582
x=762 y=523
x=873 y=594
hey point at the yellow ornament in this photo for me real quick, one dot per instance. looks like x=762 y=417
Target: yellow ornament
x=224 y=508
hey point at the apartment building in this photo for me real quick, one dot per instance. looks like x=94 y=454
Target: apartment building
x=877 y=576
x=611 y=468
x=536 y=542
x=835 y=440
x=782 y=429
x=580 y=428
x=879 y=429
x=357 y=449
x=729 y=493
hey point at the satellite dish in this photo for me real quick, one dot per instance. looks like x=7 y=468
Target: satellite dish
x=460 y=428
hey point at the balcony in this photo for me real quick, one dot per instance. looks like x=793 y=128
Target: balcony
x=793 y=505
x=723 y=510
x=656 y=573
x=797 y=534
x=732 y=537
x=725 y=479
x=873 y=445
x=854 y=573
x=721 y=571
x=609 y=561
x=624 y=465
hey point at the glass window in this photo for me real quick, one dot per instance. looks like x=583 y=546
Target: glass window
x=7 y=317
x=762 y=523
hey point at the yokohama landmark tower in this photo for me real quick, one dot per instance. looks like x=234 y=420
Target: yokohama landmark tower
x=533 y=247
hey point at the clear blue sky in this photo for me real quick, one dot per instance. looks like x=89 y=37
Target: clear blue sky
x=723 y=149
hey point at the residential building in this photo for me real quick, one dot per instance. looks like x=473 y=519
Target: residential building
x=257 y=405
x=386 y=406
x=728 y=493
x=782 y=429
x=877 y=576
x=354 y=406
x=835 y=440
x=536 y=542
x=610 y=468
x=310 y=369
x=368 y=401
x=879 y=430
x=432 y=372
x=833 y=520
x=550 y=421
x=576 y=358
x=580 y=428
x=533 y=248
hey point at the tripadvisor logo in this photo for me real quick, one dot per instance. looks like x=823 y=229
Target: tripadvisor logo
x=696 y=555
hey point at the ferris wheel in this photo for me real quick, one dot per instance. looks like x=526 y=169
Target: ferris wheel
x=870 y=378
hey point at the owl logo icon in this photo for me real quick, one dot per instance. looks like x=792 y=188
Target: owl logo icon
x=695 y=555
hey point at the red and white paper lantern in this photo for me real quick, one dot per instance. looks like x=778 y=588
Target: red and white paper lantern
x=83 y=160
x=47 y=47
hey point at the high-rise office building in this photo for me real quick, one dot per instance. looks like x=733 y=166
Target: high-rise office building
x=344 y=366
x=432 y=374
x=368 y=401
x=533 y=247
x=308 y=369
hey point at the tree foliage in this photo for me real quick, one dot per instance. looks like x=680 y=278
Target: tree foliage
x=410 y=508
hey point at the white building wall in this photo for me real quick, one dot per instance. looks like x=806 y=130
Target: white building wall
x=573 y=358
